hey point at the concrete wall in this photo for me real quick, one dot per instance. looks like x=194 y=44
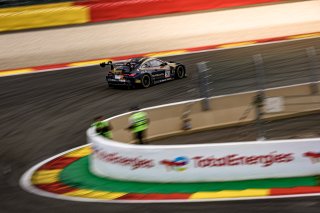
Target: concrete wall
x=225 y=111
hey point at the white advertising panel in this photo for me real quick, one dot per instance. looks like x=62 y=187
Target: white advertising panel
x=205 y=162
x=274 y=104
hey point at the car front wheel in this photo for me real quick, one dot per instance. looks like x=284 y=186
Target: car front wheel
x=180 y=72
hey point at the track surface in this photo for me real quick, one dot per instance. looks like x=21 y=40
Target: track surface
x=47 y=113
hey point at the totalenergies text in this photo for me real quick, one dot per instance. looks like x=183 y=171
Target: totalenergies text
x=238 y=160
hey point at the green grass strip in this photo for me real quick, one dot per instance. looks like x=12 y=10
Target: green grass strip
x=78 y=175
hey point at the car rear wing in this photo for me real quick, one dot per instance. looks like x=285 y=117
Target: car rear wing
x=128 y=64
x=104 y=64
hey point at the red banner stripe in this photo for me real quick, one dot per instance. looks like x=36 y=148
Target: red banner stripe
x=104 y=10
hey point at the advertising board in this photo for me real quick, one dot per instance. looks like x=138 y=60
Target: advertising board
x=205 y=162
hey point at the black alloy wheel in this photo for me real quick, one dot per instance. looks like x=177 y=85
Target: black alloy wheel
x=180 y=72
x=146 y=81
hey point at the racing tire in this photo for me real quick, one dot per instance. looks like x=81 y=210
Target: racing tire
x=180 y=72
x=146 y=81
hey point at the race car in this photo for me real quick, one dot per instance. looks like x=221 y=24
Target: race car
x=143 y=72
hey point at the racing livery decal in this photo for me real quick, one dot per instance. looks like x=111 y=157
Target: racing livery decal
x=143 y=72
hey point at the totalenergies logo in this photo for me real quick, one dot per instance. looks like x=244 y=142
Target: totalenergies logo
x=179 y=164
x=313 y=156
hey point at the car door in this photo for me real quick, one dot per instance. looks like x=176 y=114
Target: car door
x=160 y=70
x=146 y=67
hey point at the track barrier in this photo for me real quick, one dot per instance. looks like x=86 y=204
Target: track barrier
x=59 y=14
x=103 y=10
x=209 y=162
x=38 y=16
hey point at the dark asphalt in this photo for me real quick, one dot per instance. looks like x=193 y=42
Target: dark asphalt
x=46 y=113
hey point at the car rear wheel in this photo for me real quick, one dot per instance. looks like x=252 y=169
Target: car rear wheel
x=145 y=81
x=180 y=72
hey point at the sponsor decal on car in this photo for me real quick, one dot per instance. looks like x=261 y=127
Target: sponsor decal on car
x=167 y=74
x=119 y=77
x=118 y=80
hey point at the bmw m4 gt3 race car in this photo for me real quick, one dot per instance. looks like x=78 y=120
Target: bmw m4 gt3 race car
x=143 y=72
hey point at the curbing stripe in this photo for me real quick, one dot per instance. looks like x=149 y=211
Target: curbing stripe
x=62 y=191
x=171 y=196
x=295 y=190
x=82 y=152
x=50 y=67
x=167 y=53
x=56 y=188
x=59 y=163
x=87 y=63
x=16 y=72
x=310 y=35
x=46 y=176
x=230 y=194
x=204 y=48
x=95 y=194
x=44 y=68
x=238 y=44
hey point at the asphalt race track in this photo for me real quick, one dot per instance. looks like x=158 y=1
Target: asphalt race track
x=46 y=113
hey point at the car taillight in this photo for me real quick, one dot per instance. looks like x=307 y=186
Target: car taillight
x=130 y=75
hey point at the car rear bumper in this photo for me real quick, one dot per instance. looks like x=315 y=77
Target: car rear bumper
x=116 y=82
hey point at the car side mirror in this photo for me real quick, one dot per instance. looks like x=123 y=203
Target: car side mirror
x=163 y=64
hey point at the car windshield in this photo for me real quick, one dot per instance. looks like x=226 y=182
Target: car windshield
x=126 y=68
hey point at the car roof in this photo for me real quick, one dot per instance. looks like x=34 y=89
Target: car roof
x=138 y=60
